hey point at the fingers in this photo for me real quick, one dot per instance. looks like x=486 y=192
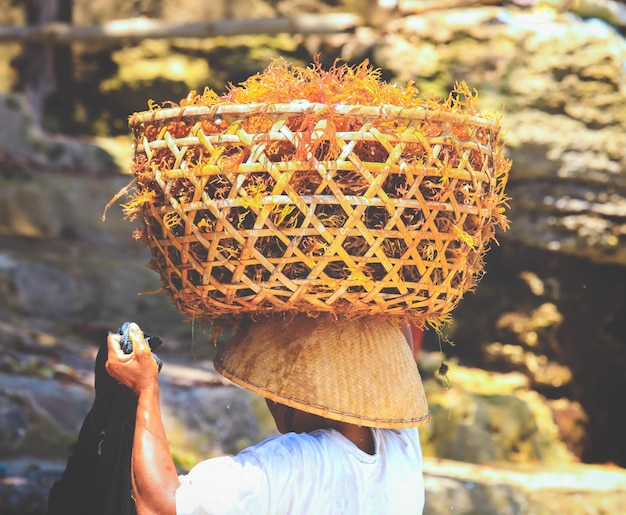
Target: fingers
x=137 y=338
x=136 y=370
x=114 y=348
x=139 y=344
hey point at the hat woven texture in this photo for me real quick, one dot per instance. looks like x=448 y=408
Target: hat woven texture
x=357 y=371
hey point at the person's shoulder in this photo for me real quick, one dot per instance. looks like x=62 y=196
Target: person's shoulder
x=291 y=447
x=404 y=442
x=410 y=433
x=287 y=441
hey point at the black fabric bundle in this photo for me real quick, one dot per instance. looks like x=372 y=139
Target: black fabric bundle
x=97 y=479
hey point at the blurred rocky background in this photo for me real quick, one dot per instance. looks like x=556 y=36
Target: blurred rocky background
x=529 y=417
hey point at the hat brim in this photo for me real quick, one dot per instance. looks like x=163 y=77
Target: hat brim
x=358 y=371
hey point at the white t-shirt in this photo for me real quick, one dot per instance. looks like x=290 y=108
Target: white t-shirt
x=310 y=473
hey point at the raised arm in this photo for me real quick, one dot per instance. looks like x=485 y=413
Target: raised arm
x=154 y=476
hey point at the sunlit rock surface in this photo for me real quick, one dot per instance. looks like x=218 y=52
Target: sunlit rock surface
x=562 y=82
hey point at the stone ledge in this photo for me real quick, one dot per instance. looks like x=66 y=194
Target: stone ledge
x=575 y=489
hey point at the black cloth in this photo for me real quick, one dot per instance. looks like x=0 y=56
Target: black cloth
x=97 y=478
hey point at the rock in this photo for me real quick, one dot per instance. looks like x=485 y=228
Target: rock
x=205 y=415
x=39 y=416
x=454 y=487
x=25 y=483
x=64 y=206
x=587 y=344
x=24 y=145
x=482 y=417
x=76 y=282
x=205 y=422
x=58 y=259
x=571 y=419
x=567 y=185
x=561 y=80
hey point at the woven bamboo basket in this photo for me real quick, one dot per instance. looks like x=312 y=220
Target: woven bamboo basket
x=305 y=207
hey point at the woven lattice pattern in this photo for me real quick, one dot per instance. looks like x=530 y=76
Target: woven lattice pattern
x=307 y=207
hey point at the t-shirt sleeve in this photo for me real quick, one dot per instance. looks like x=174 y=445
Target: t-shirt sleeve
x=222 y=486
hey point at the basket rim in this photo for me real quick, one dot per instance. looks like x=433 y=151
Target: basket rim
x=384 y=111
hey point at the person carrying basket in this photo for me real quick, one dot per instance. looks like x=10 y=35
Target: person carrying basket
x=337 y=210
x=347 y=398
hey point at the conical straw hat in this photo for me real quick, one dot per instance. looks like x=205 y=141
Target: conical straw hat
x=358 y=371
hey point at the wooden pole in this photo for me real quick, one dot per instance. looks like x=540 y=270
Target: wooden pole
x=142 y=28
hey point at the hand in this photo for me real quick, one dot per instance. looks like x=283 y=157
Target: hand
x=137 y=370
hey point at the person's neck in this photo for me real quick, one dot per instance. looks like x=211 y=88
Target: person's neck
x=360 y=436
